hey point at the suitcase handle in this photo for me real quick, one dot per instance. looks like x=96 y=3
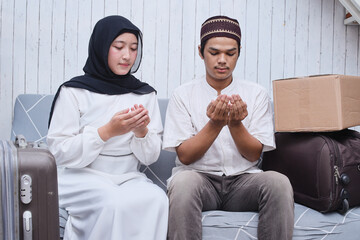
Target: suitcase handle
x=27 y=225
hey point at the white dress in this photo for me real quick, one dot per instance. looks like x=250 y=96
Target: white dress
x=99 y=182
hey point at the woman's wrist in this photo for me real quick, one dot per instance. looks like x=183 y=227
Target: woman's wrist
x=104 y=133
x=141 y=133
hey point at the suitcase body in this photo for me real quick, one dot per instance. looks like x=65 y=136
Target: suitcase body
x=323 y=168
x=29 y=195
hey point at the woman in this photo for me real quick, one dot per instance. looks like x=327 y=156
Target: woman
x=102 y=126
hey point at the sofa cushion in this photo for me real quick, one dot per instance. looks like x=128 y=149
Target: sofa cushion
x=309 y=224
x=160 y=171
x=31 y=115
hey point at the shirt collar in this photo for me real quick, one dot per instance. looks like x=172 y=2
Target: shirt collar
x=213 y=92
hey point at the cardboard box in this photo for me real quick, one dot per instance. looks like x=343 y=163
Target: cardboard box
x=316 y=103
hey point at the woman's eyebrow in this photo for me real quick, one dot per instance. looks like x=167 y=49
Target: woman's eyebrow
x=121 y=41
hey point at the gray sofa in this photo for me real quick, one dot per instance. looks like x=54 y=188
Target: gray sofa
x=31 y=113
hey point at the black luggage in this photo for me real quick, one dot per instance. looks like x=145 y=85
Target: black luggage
x=29 y=195
x=323 y=168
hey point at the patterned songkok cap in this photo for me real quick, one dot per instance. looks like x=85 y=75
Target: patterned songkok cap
x=220 y=26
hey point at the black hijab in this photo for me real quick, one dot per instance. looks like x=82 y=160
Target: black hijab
x=98 y=76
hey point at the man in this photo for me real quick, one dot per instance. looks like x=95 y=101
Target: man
x=219 y=126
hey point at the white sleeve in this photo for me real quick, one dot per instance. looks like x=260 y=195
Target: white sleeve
x=178 y=123
x=147 y=149
x=70 y=147
x=262 y=126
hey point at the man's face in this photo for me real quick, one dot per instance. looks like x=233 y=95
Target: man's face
x=220 y=57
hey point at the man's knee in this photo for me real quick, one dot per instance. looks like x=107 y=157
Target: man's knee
x=279 y=184
x=185 y=185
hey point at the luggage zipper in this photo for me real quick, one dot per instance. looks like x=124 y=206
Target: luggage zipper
x=337 y=196
x=335 y=156
x=336 y=174
x=336 y=162
x=341 y=195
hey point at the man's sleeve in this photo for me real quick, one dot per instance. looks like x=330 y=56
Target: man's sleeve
x=178 y=124
x=262 y=125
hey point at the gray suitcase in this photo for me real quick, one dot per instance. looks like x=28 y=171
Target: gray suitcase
x=29 y=191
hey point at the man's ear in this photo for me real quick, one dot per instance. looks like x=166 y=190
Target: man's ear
x=199 y=49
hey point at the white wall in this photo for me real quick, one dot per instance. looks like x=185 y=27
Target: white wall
x=44 y=42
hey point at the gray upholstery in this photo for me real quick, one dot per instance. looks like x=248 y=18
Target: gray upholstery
x=31 y=114
x=30 y=119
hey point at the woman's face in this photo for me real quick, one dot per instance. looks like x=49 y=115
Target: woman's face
x=122 y=53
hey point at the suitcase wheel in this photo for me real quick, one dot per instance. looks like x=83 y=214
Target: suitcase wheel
x=344 y=207
x=344 y=194
x=345 y=179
